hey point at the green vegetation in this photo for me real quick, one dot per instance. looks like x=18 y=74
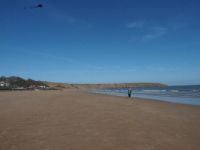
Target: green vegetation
x=120 y=85
x=14 y=82
x=111 y=85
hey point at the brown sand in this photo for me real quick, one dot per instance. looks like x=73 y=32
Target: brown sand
x=71 y=120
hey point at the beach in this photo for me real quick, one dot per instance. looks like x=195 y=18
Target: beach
x=75 y=120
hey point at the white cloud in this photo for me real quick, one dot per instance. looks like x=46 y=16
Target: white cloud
x=147 y=31
x=155 y=33
x=137 y=24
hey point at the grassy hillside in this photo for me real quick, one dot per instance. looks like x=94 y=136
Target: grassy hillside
x=14 y=82
x=114 y=85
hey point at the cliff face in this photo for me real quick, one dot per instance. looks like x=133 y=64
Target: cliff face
x=114 y=85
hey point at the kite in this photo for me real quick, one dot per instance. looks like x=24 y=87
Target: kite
x=36 y=6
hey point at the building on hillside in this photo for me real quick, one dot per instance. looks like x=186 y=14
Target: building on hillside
x=4 y=84
x=42 y=87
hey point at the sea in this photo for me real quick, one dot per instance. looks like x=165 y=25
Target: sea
x=187 y=94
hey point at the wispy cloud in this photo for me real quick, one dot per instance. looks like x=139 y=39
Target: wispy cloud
x=155 y=33
x=147 y=31
x=160 y=68
x=137 y=24
x=151 y=34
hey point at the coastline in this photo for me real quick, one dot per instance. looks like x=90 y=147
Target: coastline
x=174 y=94
x=144 y=99
x=73 y=119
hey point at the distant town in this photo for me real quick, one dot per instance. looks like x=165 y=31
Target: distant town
x=18 y=83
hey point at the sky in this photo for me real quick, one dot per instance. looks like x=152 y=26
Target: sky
x=101 y=41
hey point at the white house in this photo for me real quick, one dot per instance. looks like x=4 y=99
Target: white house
x=4 y=84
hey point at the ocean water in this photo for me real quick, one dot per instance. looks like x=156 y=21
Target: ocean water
x=177 y=94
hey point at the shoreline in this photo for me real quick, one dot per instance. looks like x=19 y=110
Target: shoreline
x=144 y=99
x=195 y=101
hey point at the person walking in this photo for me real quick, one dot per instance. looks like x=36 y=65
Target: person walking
x=129 y=92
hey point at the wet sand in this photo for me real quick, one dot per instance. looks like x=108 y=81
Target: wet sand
x=73 y=120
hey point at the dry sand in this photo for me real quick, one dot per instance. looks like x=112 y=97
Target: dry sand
x=72 y=120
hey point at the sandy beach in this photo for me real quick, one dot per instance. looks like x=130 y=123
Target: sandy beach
x=73 y=120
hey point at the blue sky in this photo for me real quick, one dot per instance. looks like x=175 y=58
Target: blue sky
x=92 y=41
